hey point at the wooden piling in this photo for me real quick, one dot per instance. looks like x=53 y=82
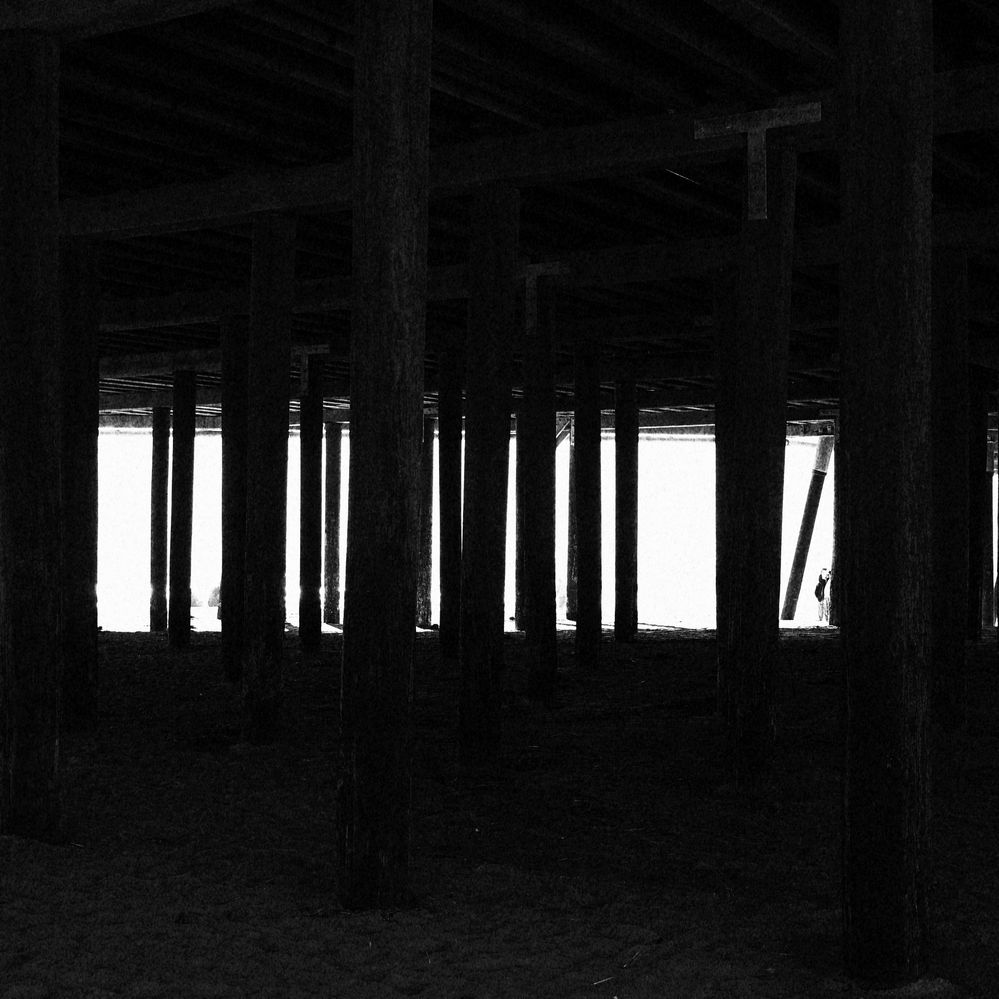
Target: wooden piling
x=425 y=561
x=450 y=366
x=80 y=428
x=979 y=493
x=536 y=464
x=331 y=550
x=625 y=512
x=572 y=551
x=310 y=571
x=492 y=319
x=750 y=437
x=159 y=515
x=181 y=509
x=391 y=121
x=30 y=507
x=589 y=608
x=951 y=478
x=272 y=274
x=232 y=591
x=886 y=145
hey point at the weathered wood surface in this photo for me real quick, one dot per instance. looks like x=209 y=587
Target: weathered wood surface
x=588 y=508
x=492 y=321
x=181 y=509
x=750 y=429
x=310 y=568
x=159 y=513
x=426 y=553
x=966 y=100
x=271 y=278
x=80 y=284
x=884 y=458
x=950 y=484
x=331 y=550
x=72 y=20
x=536 y=467
x=625 y=512
x=232 y=591
x=389 y=196
x=30 y=506
x=450 y=363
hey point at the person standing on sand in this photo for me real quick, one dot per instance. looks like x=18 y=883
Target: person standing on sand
x=822 y=595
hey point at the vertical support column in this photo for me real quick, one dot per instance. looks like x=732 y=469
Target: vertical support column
x=886 y=165
x=233 y=337
x=950 y=480
x=536 y=465
x=978 y=443
x=80 y=427
x=589 y=609
x=30 y=508
x=823 y=452
x=835 y=587
x=310 y=573
x=988 y=541
x=750 y=438
x=626 y=512
x=391 y=122
x=159 y=538
x=272 y=275
x=571 y=550
x=425 y=563
x=521 y=499
x=181 y=509
x=450 y=366
x=492 y=317
x=331 y=553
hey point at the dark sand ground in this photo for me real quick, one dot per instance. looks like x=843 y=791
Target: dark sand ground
x=611 y=856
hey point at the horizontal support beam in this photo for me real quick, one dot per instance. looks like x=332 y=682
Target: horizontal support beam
x=73 y=20
x=648 y=263
x=966 y=100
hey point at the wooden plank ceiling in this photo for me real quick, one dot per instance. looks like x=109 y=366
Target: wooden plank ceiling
x=179 y=118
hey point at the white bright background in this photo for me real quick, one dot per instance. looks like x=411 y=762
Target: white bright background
x=676 y=528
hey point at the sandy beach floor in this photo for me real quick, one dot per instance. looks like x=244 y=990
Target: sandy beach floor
x=610 y=855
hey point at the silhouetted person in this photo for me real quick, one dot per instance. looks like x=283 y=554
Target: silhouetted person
x=822 y=595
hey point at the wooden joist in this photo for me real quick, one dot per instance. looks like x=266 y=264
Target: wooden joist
x=965 y=100
x=73 y=20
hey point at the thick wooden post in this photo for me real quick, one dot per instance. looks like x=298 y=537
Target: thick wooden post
x=310 y=573
x=626 y=512
x=492 y=318
x=988 y=541
x=80 y=427
x=233 y=337
x=823 y=452
x=750 y=436
x=522 y=497
x=391 y=121
x=425 y=561
x=950 y=484
x=571 y=550
x=589 y=608
x=536 y=465
x=886 y=146
x=272 y=275
x=450 y=365
x=331 y=552
x=181 y=509
x=978 y=443
x=159 y=518
x=30 y=508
